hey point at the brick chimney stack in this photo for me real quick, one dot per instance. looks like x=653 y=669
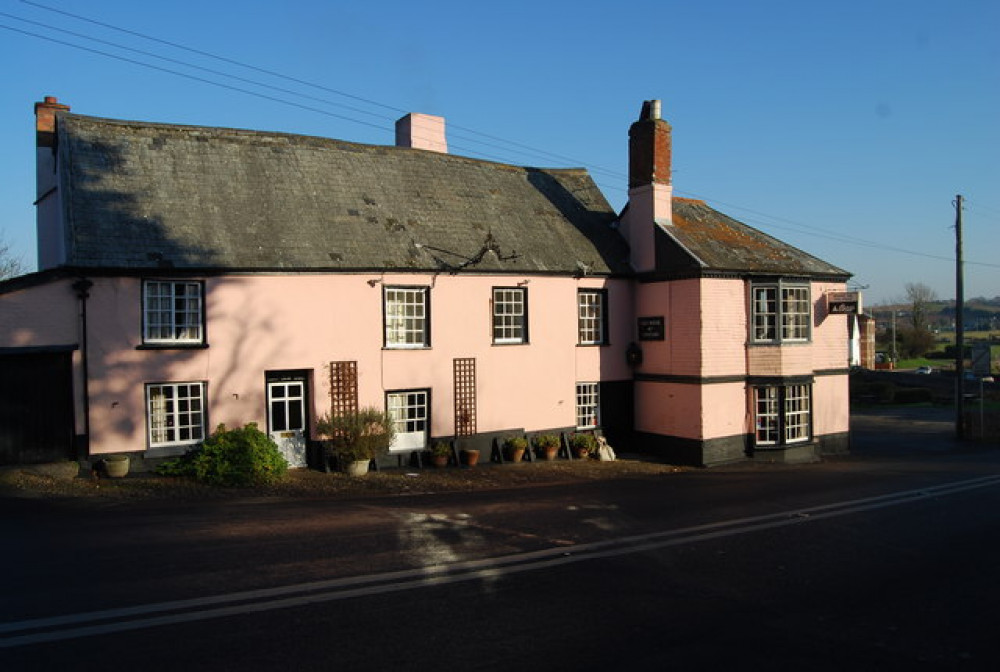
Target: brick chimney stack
x=649 y=148
x=422 y=131
x=45 y=121
x=650 y=192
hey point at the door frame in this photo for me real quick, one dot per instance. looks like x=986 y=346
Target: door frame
x=303 y=376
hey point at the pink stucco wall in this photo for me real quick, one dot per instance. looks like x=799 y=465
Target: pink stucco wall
x=39 y=316
x=44 y=316
x=264 y=323
x=298 y=321
x=679 y=303
x=726 y=410
x=831 y=412
x=670 y=409
x=722 y=305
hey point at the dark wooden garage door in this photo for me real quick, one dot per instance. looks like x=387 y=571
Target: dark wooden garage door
x=36 y=407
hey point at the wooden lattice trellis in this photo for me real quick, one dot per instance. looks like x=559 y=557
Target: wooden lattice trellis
x=343 y=388
x=465 y=396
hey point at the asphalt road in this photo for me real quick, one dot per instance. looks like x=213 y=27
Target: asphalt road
x=883 y=560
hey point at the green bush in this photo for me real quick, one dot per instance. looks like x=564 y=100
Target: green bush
x=231 y=458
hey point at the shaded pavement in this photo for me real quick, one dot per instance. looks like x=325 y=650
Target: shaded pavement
x=902 y=430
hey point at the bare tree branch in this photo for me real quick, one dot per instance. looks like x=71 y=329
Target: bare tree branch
x=9 y=264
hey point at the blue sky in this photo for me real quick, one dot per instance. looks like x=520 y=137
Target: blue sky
x=845 y=128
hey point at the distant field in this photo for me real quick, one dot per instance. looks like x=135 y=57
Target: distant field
x=944 y=339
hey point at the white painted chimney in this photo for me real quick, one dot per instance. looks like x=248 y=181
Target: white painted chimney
x=48 y=199
x=421 y=131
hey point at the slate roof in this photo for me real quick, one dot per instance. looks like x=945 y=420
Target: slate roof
x=702 y=239
x=142 y=195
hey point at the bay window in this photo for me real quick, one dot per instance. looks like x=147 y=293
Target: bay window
x=780 y=313
x=782 y=414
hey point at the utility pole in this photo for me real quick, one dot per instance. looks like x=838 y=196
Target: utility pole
x=895 y=355
x=959 y=325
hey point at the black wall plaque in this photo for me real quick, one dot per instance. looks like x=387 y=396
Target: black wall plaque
x=650 y=328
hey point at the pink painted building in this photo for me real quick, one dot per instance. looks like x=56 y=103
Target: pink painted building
x=193 y=276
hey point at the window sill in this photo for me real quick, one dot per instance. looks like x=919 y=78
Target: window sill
x=507 y=345
x=172 y=346
x=399 y=348
x=784 y=446
x=593 y=345
x=173 y=450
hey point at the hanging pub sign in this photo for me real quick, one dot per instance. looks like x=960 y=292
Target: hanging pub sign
x=843 y=303
x=650 y=328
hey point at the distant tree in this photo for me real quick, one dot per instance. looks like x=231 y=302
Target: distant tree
x=915 y=343
x=9 y=264
x=919 y=296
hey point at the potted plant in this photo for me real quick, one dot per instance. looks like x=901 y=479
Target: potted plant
x=546 y=445
x=440 y=453
x=470 y=457
x=355 y=439
x=514 y=447
x=583 y=445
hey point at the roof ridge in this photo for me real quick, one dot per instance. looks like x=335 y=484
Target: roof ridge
x=250 y=133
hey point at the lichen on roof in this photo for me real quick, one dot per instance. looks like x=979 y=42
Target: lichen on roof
x=716 y=242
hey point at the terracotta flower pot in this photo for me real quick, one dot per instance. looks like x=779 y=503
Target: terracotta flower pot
x=515 y=454
x=470 y=457
x=439 y=460
x=549 y=453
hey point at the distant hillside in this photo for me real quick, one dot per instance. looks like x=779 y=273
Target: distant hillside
x=981 y=314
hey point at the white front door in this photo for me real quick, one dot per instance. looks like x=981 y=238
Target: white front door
x=286 y=402
x=409 y=414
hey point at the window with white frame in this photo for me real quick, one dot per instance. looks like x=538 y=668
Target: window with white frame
x=782 y=414
x=175 y=414
x=780 y=313
x=406 y=317
x=510 y=315
x=797 y=413
x=172 y=312
x=409 y=411
x=592 y=317
x=588 y=405
x=766 y=402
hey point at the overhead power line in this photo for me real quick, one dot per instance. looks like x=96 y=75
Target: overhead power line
x=297 y=80
x=505 y=144
x=186 y=75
